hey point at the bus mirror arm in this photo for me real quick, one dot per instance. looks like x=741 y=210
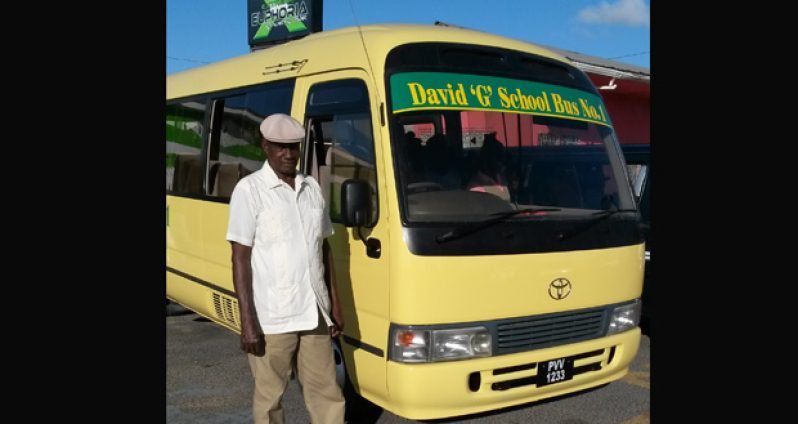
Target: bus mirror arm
x=373 y=245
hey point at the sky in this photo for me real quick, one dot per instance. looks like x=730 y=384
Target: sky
x=206 y=31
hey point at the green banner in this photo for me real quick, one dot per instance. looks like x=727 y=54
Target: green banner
x=412 y=91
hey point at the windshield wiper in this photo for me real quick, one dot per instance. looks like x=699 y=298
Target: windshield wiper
x=594 y=219
x=470 y=228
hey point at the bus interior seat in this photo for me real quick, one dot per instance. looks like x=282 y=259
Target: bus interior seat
x=553 y=184
x=592 y=181
x=565 y=188
x=188 y=174
x=226 y=178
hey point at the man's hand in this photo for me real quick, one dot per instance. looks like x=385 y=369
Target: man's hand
x=253 y=343
x=252 y=340
x=329 y=278
x=338 y=321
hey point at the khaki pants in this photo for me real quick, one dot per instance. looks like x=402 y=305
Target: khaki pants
x=315 y=371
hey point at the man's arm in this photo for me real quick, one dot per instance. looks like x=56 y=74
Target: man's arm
x=329 y=277
x=251 y=334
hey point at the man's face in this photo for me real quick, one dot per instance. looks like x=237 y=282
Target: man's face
x=282 y=157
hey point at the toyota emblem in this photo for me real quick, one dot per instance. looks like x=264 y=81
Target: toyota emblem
x=560 y=288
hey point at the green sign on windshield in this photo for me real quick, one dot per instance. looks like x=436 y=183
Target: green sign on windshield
x=412 y=91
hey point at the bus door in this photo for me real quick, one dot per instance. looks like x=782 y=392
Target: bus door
x=343 y=125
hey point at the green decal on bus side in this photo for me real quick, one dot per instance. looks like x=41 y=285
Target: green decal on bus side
x=412 y=91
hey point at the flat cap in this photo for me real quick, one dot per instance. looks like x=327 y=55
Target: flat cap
x=281 y=128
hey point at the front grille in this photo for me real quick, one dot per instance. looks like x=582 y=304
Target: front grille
x=535 y=332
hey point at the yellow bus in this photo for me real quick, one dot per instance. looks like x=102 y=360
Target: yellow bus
x=487 y=245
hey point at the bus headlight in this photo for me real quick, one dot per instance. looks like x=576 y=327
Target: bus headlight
x=412 y=345
x=624 y=317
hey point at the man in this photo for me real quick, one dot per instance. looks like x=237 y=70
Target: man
x=278 y=223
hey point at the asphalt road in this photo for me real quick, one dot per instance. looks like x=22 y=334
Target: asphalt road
x=208 y=381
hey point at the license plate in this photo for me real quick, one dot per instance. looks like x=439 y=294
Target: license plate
x=554 y=371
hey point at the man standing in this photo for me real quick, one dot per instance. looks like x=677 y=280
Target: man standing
x=278 y=223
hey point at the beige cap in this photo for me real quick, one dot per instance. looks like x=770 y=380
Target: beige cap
x=281 y=128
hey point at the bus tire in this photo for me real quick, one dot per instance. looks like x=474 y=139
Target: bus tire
x=340 y=367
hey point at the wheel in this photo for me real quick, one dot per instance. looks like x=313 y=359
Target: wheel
x=340 y=367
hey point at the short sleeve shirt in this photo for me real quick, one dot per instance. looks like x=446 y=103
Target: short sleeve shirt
x=285 y=229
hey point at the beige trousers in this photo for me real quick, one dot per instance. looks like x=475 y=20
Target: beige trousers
x=315 y=371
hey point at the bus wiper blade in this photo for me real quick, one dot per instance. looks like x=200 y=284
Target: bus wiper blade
x=595 y=218
x=470 y=228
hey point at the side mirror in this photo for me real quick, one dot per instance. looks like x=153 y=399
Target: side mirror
x=356 y=203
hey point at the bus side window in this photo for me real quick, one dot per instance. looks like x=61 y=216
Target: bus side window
x=235 y=150
x=184 y=127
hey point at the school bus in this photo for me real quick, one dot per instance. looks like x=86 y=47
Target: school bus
x=487 y=245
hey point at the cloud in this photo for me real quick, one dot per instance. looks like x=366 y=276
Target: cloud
x=625 y=12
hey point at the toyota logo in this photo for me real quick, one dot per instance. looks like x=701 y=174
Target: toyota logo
x=560 y=288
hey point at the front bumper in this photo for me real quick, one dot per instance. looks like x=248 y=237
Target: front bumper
x=448 y=389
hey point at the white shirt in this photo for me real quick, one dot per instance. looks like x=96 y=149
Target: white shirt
x=285 y=229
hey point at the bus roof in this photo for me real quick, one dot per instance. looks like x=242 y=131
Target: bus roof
x=329 y=50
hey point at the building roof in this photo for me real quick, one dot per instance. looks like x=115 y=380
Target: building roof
x=610 y=68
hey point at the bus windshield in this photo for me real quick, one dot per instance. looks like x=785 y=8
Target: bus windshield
x=470 y=147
